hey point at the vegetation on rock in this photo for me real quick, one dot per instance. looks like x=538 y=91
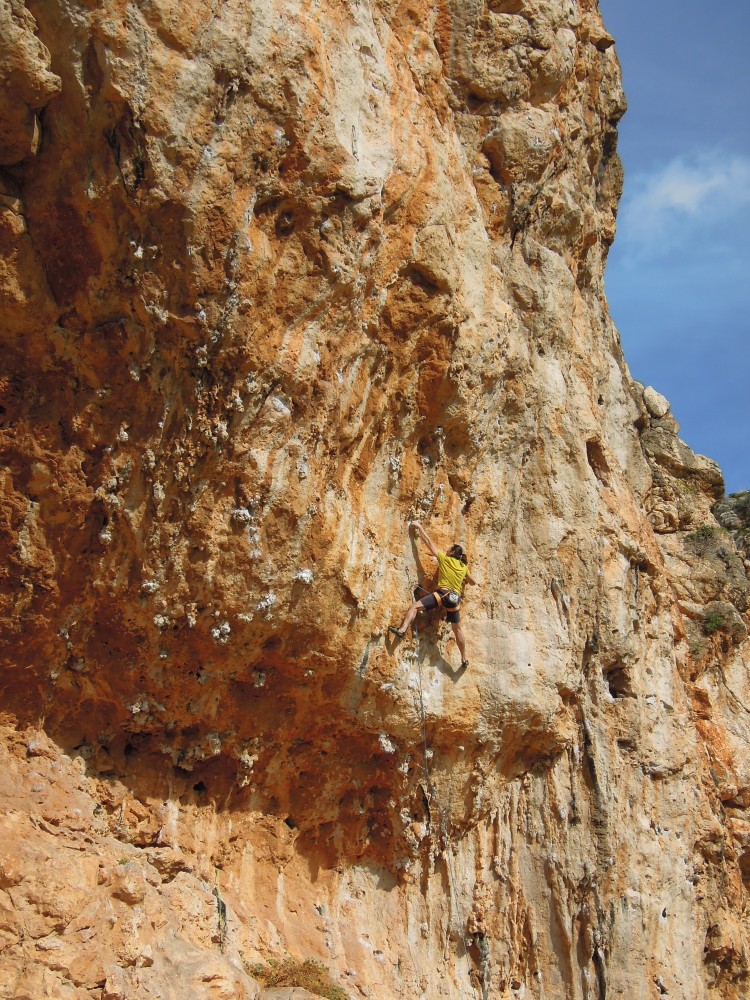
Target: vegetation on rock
x=309 y=974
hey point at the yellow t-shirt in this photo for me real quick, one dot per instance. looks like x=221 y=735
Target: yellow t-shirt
x=451 y=572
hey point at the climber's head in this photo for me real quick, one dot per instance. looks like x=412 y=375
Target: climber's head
x=457 y=552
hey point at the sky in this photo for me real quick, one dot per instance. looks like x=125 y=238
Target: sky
x=678 y=276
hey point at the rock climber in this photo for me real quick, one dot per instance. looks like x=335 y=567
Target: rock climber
x=453 y=573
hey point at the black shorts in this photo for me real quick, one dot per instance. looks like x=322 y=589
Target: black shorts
x=430 y=602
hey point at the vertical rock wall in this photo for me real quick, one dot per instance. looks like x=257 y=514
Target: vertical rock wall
x=277 y=278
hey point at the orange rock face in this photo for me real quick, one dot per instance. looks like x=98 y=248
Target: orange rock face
x=276 y=279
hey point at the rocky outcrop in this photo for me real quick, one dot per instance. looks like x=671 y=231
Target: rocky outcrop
x=733 y=514
x=276 y=279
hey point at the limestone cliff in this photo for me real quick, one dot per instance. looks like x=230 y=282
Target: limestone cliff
x=277 y=277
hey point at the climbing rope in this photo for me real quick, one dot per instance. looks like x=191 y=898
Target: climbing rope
x=432 y=789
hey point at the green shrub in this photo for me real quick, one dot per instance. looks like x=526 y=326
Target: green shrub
x=309 y=975
x=705 y=541
x=713 y=622
x=706 y=533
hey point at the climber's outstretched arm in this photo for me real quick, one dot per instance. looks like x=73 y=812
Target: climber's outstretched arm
x=425 y=538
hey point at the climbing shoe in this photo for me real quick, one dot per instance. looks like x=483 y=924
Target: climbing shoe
x=397 y=631
x=464 y=664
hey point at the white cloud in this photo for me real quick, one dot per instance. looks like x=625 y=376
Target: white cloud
x=660 y=209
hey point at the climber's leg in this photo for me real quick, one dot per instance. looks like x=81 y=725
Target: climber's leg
x=458 y=632
x=424 y=605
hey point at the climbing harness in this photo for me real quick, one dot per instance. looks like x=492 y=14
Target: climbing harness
x=433 y=795
x=449 y=601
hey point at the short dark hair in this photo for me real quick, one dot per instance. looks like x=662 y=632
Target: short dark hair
x=457 y=552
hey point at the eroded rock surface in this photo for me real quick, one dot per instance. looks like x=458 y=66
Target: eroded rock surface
x=275 y=279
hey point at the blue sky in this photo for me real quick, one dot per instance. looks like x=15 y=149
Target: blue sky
x=678 y=277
